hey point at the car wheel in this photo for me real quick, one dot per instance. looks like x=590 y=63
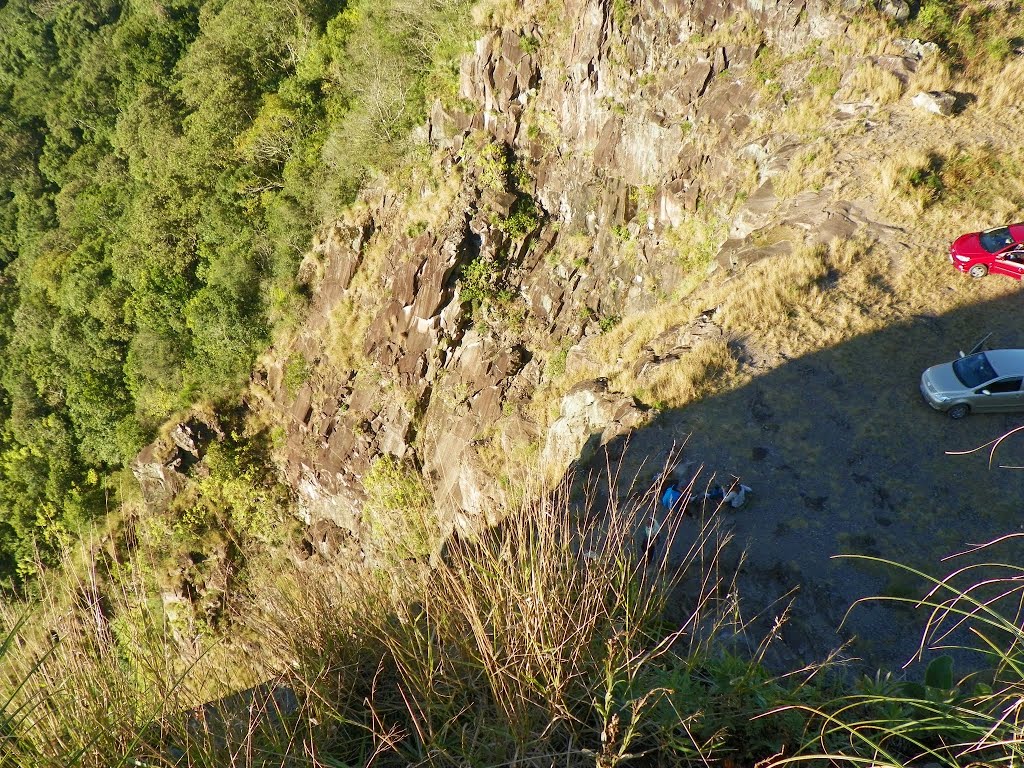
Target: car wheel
x=958 y=411
x=978 y=271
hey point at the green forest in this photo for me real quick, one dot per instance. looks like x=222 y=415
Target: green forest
x=162 y=168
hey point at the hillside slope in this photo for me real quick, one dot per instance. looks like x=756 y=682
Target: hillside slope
x=708 y=213
x=626 y=240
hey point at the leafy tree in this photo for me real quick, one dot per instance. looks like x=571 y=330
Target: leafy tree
x=162 y=166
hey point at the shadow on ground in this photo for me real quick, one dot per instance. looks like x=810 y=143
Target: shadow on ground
x=844 y=456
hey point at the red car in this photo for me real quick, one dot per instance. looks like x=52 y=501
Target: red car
x=999 y=250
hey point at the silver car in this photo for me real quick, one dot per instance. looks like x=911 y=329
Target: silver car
x=982 y=382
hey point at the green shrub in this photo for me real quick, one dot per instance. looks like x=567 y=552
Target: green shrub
x=296 y=373
x=623 y=12
x=481 y=281
x=399 y=509
x=824 y=79
x=237 y=498
x=941 y=716
x=554 y=368
x=925 y=180
x=522 y=219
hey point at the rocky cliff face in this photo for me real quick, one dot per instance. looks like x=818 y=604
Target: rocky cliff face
x=587 y=138
x=600 y=154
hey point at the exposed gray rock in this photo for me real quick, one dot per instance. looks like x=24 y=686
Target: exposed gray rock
x=898 y=9
x=589 y=414
x=937 y=102
x=163 y=466
x=677 y=341
x=918 y=49
x=901 y=67
x=159 y=479
x=331 y=542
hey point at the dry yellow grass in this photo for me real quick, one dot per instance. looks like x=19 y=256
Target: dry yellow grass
x=868 y=34
x=739 y=29
x=102 y=660
x=346 y=334
x=767 y=295
x=1002 y=89
x=943 y=180
x=809 y=170
x=894 y=194
x=804 y=117
x=612 y=355
x=932 y=75
x=818 y=297
x=708 y=367
x=551 y=626
x=870 y=82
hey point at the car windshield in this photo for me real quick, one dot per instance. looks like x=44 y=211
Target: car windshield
x=996 y=239
x=973 y=370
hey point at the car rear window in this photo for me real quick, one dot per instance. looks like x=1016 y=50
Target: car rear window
x=996 y=239
x=973 y=370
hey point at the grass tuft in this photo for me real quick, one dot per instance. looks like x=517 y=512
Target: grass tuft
x=553 y=633
x=870 y=82
x=946 y=721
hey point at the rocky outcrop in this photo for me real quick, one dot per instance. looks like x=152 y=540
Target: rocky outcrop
x=590 y=417
x=674 y=343
x=164 y=466
x=937 y=102
x=580 y=156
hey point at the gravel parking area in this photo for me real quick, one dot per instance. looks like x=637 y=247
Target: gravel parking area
x=845 y=457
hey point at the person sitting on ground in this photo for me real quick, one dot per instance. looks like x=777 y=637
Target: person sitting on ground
x=671 y=496
x=737 y=496
x=715 y=493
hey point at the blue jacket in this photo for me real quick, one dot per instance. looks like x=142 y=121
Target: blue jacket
x=670 y=498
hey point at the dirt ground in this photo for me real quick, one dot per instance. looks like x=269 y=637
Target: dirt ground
x=842 y=453
x=845 y=457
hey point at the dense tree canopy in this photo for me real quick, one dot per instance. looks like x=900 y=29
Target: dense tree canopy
x=162 y=165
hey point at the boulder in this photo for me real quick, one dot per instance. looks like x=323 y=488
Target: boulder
x=158 y=478
x=590 y=416
x=937 y=102
x=163 y=466
x=900 y=67
x=672 y=344
x=918 y=49
x=898 y=9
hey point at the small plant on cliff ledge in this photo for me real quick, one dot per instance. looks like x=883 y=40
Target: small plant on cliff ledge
x=481 y=281
x=296 y=372
x=522 y=219
x=623 y=12
x=398 y=509
x=696 y=240
x=529 y=43
x=490 y=160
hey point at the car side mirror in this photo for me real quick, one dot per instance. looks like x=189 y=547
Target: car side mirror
x=961 y=353
x=985 y=392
